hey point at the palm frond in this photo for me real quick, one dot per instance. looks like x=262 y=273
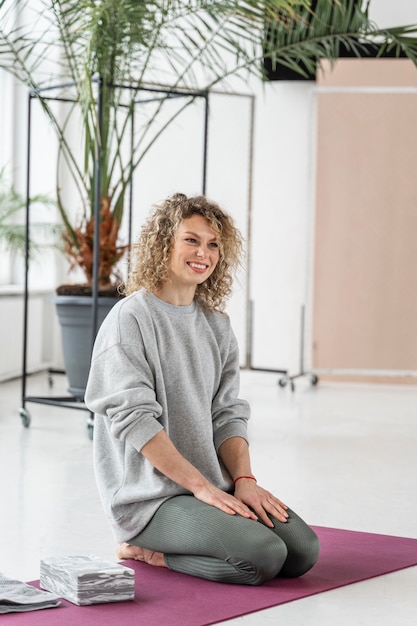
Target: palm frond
x=329 y=31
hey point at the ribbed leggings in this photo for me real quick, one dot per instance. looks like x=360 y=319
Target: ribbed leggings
x=200 y=540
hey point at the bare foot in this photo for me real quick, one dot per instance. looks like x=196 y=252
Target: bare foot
x=127 y=551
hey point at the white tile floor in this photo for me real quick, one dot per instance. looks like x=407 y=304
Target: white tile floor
x=341 y=455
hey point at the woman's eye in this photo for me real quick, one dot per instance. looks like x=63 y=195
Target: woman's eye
x=212 y=244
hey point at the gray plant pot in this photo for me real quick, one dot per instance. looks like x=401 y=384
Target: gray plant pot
x=75 y=314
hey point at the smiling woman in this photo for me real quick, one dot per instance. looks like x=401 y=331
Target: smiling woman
x=211 y=230
x=194 y=256
x=170 y=431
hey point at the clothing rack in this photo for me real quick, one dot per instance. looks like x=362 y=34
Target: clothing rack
x=287 y=379
x=70 y=401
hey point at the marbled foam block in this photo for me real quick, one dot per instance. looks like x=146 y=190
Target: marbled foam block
x=87 y=579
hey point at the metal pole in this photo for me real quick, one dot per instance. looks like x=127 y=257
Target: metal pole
x=97 y=203
x=205 y=147
x=132 y=145
x=302 y=338
x=27 y=253
x=249 y=303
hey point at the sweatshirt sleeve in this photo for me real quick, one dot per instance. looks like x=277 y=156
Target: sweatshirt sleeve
x=120 y=384
x=230 y=413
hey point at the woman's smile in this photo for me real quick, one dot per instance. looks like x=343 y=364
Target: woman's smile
x=197 y=267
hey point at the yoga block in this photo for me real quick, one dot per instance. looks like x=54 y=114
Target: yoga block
x=87 y=579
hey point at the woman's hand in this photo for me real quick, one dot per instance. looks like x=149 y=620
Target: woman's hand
x=234 y=453
x=222 y=500
x=163 y=455
x=261 y=501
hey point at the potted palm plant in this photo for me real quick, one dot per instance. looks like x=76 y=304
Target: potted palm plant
x=99 y=53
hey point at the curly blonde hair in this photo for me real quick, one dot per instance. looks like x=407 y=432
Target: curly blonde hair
x=151 y=253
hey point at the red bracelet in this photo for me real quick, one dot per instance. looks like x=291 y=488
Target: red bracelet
x=239 y=477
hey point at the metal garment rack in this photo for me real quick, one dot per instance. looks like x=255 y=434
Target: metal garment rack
x=250 y=346
x=287 y=379
x=314 y=379
x=70 y=401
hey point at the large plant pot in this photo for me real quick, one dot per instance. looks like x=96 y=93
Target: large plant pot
x=75 y=314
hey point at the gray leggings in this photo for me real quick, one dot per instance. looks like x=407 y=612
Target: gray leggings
x=200 y=540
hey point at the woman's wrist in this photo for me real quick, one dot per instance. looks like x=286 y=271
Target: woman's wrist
x=246 y=477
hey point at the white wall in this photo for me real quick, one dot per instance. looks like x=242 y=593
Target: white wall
x=281 y=205
x=387 y=13
x=281 y=200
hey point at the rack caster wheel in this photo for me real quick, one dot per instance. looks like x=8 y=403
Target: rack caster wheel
x=314 y=380
x=283 y=382
x=25 y=417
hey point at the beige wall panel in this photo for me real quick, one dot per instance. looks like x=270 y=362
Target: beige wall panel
x=365 y=271
x=368 y=73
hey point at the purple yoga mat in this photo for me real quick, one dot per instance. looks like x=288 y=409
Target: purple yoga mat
x=166 y=597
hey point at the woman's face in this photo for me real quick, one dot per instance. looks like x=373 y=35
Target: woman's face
x=194 y=254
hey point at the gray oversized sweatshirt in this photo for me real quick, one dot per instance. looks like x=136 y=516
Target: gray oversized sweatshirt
x=158 y=366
